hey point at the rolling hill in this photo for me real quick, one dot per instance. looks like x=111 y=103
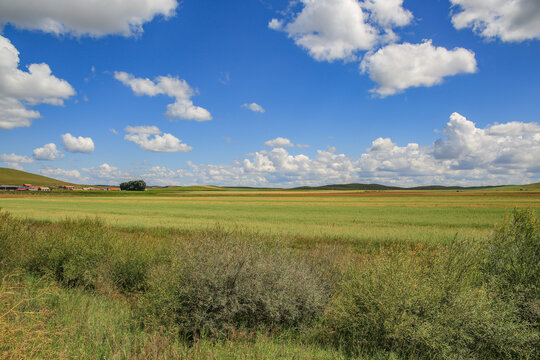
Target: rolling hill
x=17 y=177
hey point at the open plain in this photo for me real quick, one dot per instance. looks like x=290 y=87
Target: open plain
x=357 y=216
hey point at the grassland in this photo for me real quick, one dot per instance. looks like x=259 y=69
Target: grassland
x=206 y=273
x=351 y=216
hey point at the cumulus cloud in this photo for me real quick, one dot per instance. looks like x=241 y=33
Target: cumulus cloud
x=388 y=13
x=330 y=29
x=513 y=128
x=465 y=155
x=19 y=88
x=62 y=174
x=15 y=161
x=94 y=18
x=179 y=89
x=107 y=172
x=275 y=24
x=515 y=20
x=343 y=29
x=254 y=107
x=152 y=139
x=161 y=175
x=279 y=142
x=77 y=144
x=337 y=29
x=397 y=67
x=47 y=152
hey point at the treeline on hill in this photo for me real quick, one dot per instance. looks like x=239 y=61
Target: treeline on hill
x=135 y=185
x=385 y=187
x=79 y=288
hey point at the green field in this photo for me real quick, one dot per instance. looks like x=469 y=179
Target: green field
x=318 y=215
x=212 y=273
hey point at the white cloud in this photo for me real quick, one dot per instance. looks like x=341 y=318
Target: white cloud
x=161 y=175
x=182 y=107
x=17 y=88
x=93 y=18
x=342 y=29
x=149 y=130
x=77 y=144
x=275 y=24
x=14 y=160
x=515 y=20
x=114 y=131
x=465 y=155
x=107 y=172
x=151 y=138
x=397 y=67
x=331 y=29
x=279 y=142
x=388 y=13
x=513 y=128
x=338 y=29
x=254 y=107
x=301 y=146
x=47 y=152
x=62 y=174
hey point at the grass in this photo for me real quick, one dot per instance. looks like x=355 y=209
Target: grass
x=318 y=216
x=204 y=275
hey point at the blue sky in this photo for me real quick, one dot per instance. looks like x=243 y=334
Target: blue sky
x=272 y=93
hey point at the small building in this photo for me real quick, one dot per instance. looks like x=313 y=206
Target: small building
x=9 y=187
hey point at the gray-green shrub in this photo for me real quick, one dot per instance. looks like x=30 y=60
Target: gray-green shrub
x=217 y=284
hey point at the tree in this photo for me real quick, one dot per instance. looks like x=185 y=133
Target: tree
x=136 y=185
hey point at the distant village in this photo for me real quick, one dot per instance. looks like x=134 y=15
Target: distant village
x=30 y=187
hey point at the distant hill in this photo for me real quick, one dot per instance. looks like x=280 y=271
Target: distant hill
x=349 y=187
x=384 y=187
x=17 y=177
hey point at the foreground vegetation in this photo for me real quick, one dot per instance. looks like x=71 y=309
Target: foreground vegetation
x=85 y=289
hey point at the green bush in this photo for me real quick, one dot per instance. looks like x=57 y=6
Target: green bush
x=135 y=185
x=513 y=263
x=220 y=283
x=427 y=305
x=81 y=252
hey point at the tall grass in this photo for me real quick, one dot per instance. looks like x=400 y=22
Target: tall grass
x=447 y=303
x=80 y=288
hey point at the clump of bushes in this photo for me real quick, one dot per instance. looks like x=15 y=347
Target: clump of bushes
x=444 y=304
x=135 y=185
x=81 y=252
x=215 y=286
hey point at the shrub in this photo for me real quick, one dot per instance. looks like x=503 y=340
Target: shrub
x=219 y=283
x=136 y=185
x=81 y=252
x=512 y=262
x=430 y=305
